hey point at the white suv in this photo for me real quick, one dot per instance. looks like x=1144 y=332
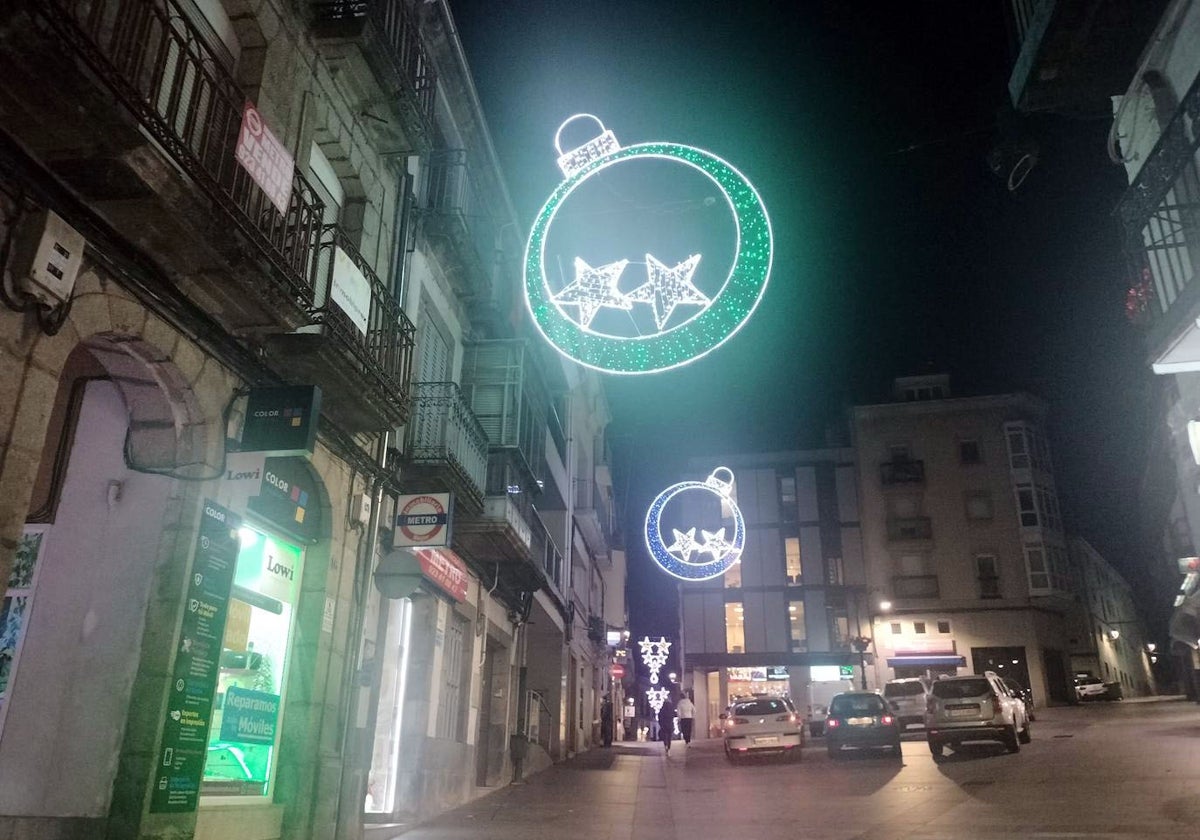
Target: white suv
x=907 y=699
x=976 y=707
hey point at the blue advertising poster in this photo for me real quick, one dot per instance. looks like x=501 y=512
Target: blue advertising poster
x=249 y=717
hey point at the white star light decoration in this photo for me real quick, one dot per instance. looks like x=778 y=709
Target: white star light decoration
x=654 y=654
x=665 y=289
x=656 y=697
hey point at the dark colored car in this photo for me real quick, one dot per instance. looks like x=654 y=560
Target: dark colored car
x=861 y=719
x=1026 y=695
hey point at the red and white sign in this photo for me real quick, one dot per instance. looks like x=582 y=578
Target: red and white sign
x=443 y=569
x=618 y=671
x=422 y=521
x=265 y=158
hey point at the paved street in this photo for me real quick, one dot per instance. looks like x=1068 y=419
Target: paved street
x=1120 y=770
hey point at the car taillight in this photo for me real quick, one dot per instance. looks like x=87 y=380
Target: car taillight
x=888 y=720
x=739 y=720
x=833 y=723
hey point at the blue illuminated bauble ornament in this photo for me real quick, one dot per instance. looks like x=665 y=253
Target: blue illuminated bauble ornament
x=687 y=322
x=685 y=555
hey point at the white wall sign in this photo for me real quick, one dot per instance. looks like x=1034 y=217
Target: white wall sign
x=351 y=290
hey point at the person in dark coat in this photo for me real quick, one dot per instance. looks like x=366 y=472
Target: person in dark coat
x=606 y=721
x=666 y=724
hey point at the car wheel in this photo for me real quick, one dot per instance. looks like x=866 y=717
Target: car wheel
x=937 y=748
x=1026 y=734
x=1012 y=741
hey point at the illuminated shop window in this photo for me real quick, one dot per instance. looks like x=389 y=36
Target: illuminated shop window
x=244 y=736
x=799 y=635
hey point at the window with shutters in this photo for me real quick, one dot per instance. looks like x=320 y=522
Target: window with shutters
x=449 y=716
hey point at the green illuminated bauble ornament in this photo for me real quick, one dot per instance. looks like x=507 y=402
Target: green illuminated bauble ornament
x=689 y=323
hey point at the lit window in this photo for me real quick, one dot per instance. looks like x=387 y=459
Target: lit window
x=799 y=636
x=735 y=627
x=791 y=551
x=733 y=575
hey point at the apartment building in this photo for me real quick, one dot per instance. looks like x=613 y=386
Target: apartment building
x=259 y=297
x=1108 y=639
x=1138 y=63
x=786 y=616
x=963 y=537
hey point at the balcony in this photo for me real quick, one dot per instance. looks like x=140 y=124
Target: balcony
x=140 y=117
x=359 y=346
x=915 y=586
x=546 y=553
x=378 y=44
x=1075 y=54
x=445 y=450
x=593 y=515
x=1160 y=213
x=503 y=386
x=458 y=224
x=499 y=541
x=910 y=529
x=902 y=472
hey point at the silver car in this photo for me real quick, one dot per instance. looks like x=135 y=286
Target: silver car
x=762 y=725
x=977 y=707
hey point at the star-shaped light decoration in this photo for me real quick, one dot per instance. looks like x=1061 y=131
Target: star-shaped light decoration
x=669 y=287
x=685 y=543
x=714 y=544
x=594 y=288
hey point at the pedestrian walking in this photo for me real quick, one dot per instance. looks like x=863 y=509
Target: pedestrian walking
x=606 y=721
x=666 y=723
x=687 y=717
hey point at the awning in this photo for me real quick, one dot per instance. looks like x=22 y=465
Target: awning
x=927 y=662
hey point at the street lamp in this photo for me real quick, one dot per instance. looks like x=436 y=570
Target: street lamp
x=1151 y=646
x=1114 y=634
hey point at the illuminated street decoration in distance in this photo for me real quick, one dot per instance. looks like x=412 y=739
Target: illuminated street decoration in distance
x=667 y=286
x=654 y=655
x=676 y=558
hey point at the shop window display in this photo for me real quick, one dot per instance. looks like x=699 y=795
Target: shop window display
x=244 y=734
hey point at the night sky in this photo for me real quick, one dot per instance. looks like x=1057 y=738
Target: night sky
x=866 y=127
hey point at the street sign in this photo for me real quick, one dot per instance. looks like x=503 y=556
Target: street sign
x=618 y=671
x=422 y=521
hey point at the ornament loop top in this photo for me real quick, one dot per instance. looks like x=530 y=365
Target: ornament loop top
x=720 y=484
x=576 y=159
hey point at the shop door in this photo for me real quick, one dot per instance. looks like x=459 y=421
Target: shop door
x=491 y=743
x=1058 y=686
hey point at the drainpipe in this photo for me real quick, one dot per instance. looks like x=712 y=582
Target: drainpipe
x=357 y=736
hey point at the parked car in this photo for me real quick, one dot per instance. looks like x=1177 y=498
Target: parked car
x=1090 y=688
x=976 y=707
x=762 y=724
x=1026 y=695
x=907 y=699
x=819 y=695
x=861 y=719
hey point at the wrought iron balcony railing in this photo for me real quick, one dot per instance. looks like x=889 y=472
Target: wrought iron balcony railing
x=545 y=552
x=383 y=346
x=454 y=207
x=1160 y=213
x=902 y=472
x=909 y=528
x=915 y=586
x=397 y=30
x=444 y=430
x=157 y=64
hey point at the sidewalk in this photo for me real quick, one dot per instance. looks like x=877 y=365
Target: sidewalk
x=615 y=793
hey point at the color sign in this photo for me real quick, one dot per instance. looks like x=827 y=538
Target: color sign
x=266 y=159
x=443 y=568
x=281 y=421
x=249 y=717
x=181 y=753
x=422 y=520
x=288 y=498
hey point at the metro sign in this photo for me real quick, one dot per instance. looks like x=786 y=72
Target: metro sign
x=422 y=521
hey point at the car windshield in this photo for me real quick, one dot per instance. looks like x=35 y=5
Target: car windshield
x=1014 y=686
x=954 y=689
x=1088 y=681
x=853 y=704
x=760 y=707
x=904 y=689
